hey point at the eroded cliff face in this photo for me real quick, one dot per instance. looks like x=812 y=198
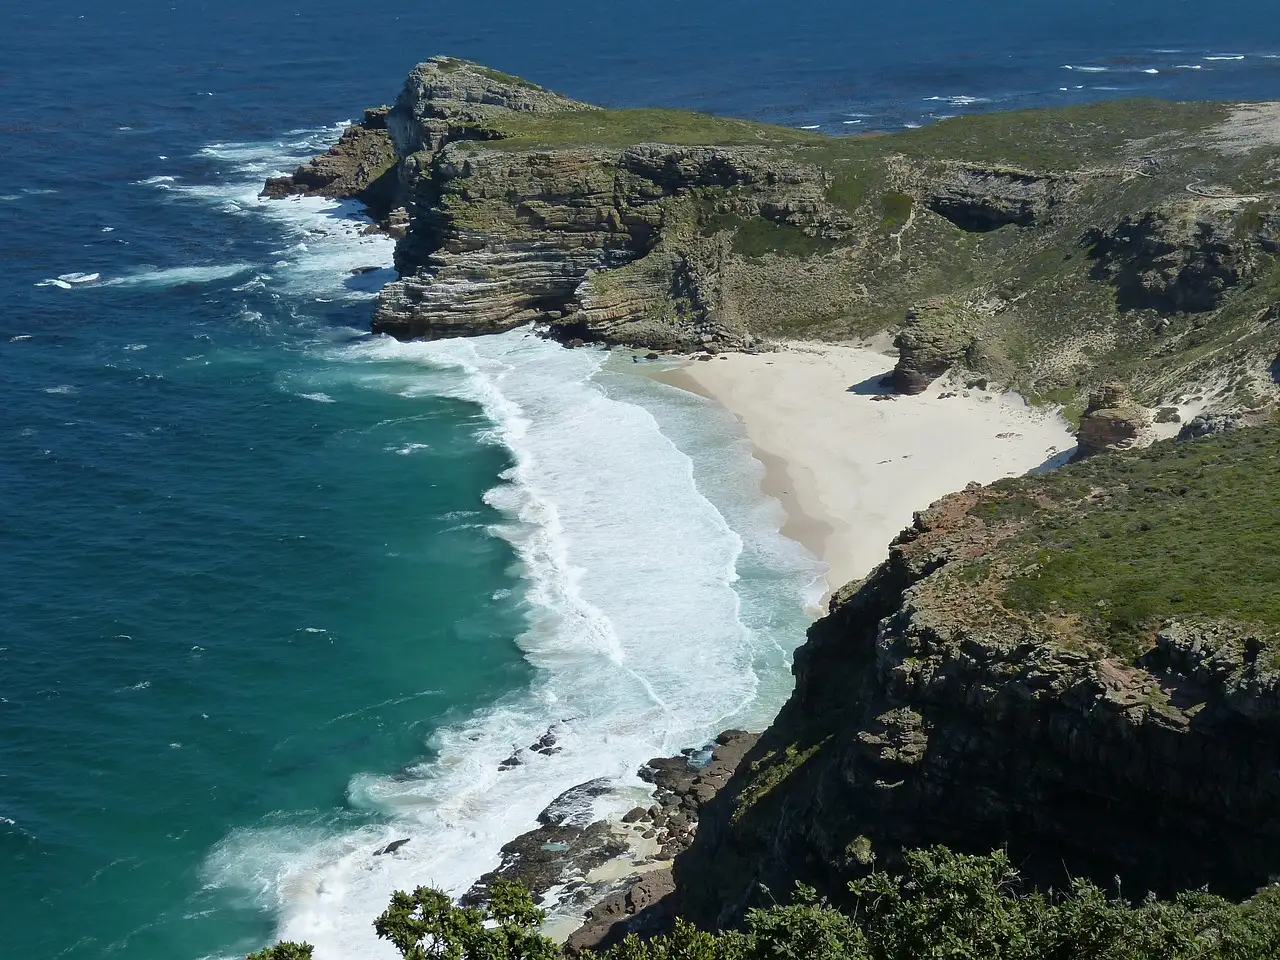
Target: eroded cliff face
x=930 y=708
x=502 y=238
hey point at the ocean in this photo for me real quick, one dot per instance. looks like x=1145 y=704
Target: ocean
x=274 y=591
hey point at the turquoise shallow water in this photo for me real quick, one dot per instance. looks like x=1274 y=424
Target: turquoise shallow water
x=273 y=592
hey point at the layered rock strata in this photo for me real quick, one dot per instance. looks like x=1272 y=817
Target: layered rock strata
x=1039 y=250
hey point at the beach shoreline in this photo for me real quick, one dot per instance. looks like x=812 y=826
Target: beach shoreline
x=849 y=460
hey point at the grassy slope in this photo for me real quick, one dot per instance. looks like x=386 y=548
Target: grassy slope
x=1109 y=549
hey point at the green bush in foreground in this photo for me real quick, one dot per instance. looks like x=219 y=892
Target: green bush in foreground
x=944 y=905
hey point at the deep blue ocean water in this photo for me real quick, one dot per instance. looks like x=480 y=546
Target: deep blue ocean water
x=273 y=592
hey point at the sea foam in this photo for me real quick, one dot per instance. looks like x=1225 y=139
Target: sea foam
x=643 y=637
x=634 y=629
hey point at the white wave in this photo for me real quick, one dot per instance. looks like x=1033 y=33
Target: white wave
x=64 y=389
x=1188 y=66
x=635 y=630
x=409 y=448
x=54 y=282
x=177 y=276
x=158 y=181
x=317 y=397
x=1227 y=57
x=812 y=126
x=328 y=236
x=78 y=277
x=1151 y=70
x=1086 y=69
x=18 y=338
x=958 y=101
x=846 y=122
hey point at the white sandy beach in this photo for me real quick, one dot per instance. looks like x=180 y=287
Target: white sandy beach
x=850 y=469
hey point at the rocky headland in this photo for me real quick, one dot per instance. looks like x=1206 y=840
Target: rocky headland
x=1051 y=251
x=1079 y=667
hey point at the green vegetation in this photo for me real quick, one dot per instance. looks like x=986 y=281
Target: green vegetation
x=895 y=209
x=944 y=905
x=769 y=772
x=618 y=129
x=285 y=950
x=1065 y=138
x=756 y=237
x=1125 y=542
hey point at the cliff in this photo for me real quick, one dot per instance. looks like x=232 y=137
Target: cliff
x=1083 y=668
x=1050 y=251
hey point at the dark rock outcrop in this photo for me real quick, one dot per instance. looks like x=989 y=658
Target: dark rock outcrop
x=979 y=200
x=1183 y=259
x=1208 y=425
x=683 y=787
x=567 y=844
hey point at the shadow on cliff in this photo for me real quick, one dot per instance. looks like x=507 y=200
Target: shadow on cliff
x=861 y=765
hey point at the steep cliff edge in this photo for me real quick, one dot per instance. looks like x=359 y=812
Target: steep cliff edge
x=1082 y=667
x=1050 y=251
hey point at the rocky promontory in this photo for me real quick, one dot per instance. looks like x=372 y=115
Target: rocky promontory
x=1049 y=251
x=360 y=166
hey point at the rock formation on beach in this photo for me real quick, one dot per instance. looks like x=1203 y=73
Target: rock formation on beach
x=1112 y=422
x=1048 y=251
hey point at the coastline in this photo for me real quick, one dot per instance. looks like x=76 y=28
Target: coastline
x=850 y=460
